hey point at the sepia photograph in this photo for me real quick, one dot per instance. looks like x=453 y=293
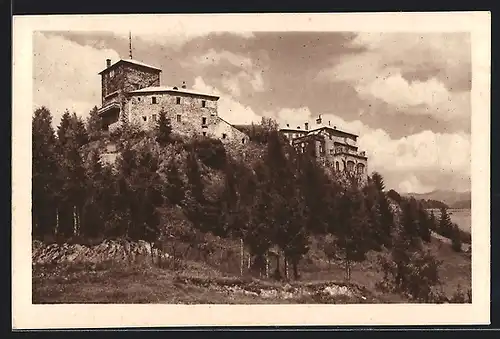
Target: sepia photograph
x=249 y=163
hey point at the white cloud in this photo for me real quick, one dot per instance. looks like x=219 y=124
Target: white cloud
x=65 y=75
x=176 y=36
x=413 y=185
x=233 y=82
x=229 y=109
x=377 y=72
x=257 y=82
x=214 y=57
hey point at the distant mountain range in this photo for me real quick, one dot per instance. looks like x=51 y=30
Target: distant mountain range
x=453 y=199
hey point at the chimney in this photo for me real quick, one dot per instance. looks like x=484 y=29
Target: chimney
x=318 y=121
x=306 y=125
x=108 y=63
x=287 y=125
x=328 y=122
x=184 y=84
x=298 y=127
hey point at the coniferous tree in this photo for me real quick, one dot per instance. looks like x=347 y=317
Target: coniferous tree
x=94 y=124
x=382 y=208
x=174 y=186
x=456 y=240
x=98 y=197
x=353 y=234
x=432 y=221
x=140 y=193
x=71 y=136
x=378 y=182
x=163 y=129
x=409 y=222
x=203 y=212
x=371 y=196
x=45 y=187
x=445 y=227
x=424 y=224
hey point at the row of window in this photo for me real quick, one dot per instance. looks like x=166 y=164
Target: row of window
x=178 y=119
x=177 y=101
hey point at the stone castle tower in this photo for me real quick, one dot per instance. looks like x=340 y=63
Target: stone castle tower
x=132 y=93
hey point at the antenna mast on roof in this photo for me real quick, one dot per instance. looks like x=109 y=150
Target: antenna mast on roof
x=130 y=44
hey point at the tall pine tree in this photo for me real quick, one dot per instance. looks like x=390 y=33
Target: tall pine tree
x=45 y=187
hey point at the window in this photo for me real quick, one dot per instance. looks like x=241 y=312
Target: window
x=243 y=140
x=350 y=166
x=203 y=103
x=337 y=166
x=138 y=99
x=153 y=117
x=224 y=135
x=112 y=73
x=178 y=118
x=178 y=101
x=204 y=134
x=203 y=121
x=153 y=100
x=144 y=118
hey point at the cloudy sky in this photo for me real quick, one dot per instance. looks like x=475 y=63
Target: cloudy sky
x=407 y=95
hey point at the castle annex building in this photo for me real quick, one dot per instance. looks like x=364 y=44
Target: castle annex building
x=329 y=145
x=131 y=92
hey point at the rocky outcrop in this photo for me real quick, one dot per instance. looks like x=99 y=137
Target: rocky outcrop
x=108 y=250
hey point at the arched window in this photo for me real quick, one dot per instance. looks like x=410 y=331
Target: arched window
x=360 y=168
x=337 y=166
x=350 y=165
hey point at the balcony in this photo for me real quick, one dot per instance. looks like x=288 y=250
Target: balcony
x=348 y=151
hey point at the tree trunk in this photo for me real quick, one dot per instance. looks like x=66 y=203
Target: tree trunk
x=295 y=270
x=57 y=220
x=278 y=271
x=75 y=225
x=241 y=256
x=267 y=265
x=78 y=220
x=286 y=267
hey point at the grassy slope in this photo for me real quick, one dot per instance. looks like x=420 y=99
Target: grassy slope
x=200 y=282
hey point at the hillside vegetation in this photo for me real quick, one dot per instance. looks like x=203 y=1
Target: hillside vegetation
x=207 y=217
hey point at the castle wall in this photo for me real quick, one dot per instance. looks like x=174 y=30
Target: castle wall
x=187 y=117
x=228 y=134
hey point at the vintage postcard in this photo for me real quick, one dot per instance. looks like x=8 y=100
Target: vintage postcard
x=237 y=169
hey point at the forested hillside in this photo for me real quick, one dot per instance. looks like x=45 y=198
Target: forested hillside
x=164 y=186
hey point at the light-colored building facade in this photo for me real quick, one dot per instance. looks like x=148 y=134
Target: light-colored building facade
x=131 y=92
x=331 y=146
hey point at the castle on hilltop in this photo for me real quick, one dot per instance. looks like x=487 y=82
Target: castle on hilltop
x=329 y=145
x=131 y=93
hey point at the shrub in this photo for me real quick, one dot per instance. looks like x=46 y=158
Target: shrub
x=413 y=274
x=461 y=297
x=210 y=152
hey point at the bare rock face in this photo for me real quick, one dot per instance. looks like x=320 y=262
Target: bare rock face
x=108 y=250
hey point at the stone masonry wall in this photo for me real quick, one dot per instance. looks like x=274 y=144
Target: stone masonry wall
x=126 y=78
x=186 y=118
x=137 y=78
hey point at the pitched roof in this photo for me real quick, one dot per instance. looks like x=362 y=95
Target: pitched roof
x=322 y=126
x=131 y=61
x=165 y=89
